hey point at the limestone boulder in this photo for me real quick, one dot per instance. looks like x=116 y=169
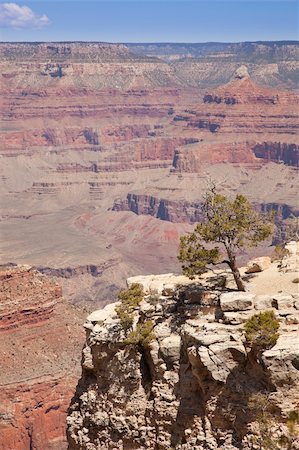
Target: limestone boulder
x=100 y=315
x=170 y=348
x=200 y=295
x=282 y=362
x=165 y=283
x=236 y=317
x=283 y=301
x=292 y=247
x=290 y=262
x=262 y=302
x=236 y=301
x=258 y=264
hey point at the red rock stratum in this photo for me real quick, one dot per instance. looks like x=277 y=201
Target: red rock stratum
x=94 y=134
x=40 y=355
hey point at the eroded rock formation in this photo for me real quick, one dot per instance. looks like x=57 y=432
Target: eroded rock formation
x=41 y=338
x=193 y=386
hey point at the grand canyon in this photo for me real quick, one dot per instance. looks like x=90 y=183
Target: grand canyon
x=106 y=153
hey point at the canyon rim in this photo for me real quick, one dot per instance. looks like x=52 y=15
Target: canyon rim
x=108 y=144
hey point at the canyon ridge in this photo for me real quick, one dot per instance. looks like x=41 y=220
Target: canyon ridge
x=107 y=149
x=106 y=152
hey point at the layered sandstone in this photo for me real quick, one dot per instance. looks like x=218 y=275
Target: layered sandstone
x=192 y=386
x=183 y=211
x=40 y=347
x=234 y=119
x=95 y=132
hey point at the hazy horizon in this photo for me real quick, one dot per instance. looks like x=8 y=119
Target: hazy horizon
x=282 y=41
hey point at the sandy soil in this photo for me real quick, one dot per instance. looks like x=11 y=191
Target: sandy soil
x=272 y=281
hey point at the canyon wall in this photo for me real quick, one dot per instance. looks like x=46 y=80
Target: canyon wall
x=93 y=133
x=41 y=338
x=106 y=153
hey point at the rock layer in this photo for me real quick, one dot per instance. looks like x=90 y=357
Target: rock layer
x=93 y=132
x=40 y=347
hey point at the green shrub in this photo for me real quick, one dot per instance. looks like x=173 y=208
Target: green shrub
x=126 y=317
x=261 y=330
x=143 y=334
x=132 y=296
x=130 y=300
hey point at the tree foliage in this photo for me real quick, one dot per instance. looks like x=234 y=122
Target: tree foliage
x=231 y=223
x=130 y=300
x=142 y=335
x=261 y=330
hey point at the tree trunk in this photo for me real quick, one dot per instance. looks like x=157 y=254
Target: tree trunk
x=238 y=279
x=235 y=271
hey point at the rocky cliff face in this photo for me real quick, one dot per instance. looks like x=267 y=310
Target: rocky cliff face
x=40 y=355
x=188 y=212
x=197 y=383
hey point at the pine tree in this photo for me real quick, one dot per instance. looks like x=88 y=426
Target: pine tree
x=231 y=223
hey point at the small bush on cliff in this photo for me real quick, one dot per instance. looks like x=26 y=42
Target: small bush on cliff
x=130 y=300
x=142 y=335
x=233 y=224
x=261 y=330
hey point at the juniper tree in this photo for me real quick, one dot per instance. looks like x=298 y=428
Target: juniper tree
x=231 y=223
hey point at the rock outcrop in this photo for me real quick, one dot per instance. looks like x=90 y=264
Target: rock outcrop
x=41 y=338
x=196 y=384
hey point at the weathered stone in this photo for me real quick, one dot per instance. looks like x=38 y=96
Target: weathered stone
x=236 y=318
x=200 y=295
x=290 y=262
x=168 y=289
x=236 y=301
x=283 y=301
x=87 y=362
x=156 y=284
x=162 y=330
x=179 y=390
x=170 y=348
x=292 y=247
x=258 y=264
x=40 y=336
x=101 y=315
x=262 y=302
